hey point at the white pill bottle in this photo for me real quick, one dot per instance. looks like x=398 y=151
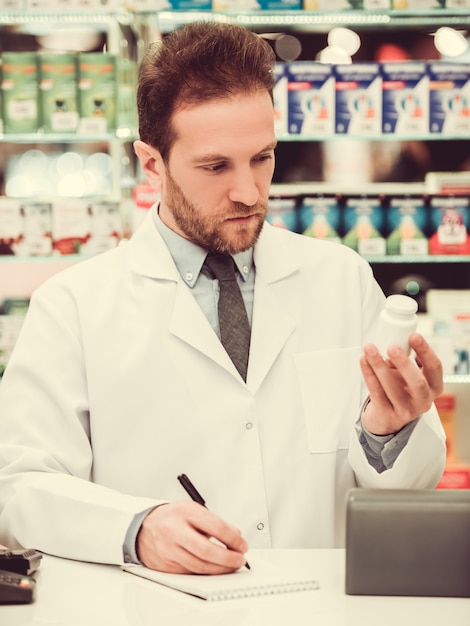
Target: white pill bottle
x=397 y=321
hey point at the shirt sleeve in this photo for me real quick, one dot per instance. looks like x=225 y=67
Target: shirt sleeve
x=129 y=547
x=382 y=450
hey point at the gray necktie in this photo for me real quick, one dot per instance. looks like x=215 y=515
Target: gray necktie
x=233 y=321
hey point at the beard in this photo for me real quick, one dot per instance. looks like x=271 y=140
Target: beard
x=215 y=232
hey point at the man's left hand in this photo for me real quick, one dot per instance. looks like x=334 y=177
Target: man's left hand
x=400 y=389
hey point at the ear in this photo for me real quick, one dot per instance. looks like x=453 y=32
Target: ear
x=151 y=162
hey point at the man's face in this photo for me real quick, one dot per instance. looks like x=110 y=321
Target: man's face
x=215 y=186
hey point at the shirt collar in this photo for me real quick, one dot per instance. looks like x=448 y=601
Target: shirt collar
x=189 y=257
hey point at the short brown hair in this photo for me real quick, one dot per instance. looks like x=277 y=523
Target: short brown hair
x=197 y=63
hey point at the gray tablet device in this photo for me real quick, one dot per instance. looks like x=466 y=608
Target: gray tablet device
x=408 y=542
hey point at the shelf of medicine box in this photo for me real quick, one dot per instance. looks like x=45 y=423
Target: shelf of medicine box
x=424 y=258
x=319 y=20
x=336 y=188
x=120 y=134
x=459 y=379
x=379 y=137
x=43 y=22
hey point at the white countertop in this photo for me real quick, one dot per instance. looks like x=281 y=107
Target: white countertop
x=80 y=594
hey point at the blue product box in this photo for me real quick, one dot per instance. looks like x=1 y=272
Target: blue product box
x=364 y=225
x=311 y=98
x=320 y=218
x=450 y=224
x=405 y=86
x=449 y=98
x=199 y=5
x=358 y=99
x=406 y=225
x=280 y=100
x=280 y=5
x=282 y=213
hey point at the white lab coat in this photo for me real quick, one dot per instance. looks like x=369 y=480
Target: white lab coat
x=118 y=384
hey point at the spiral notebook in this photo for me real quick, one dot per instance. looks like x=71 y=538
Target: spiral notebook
x=264 y=578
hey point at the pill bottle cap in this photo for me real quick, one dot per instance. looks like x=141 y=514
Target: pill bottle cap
x=401 y=305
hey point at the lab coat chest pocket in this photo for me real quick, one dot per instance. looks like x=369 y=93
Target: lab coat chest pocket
x=330 y=386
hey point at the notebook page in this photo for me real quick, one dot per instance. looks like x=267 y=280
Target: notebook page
x=263 y=578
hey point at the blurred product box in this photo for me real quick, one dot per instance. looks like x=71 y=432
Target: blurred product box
x=331 y=5
x=406 y=224
x=200 y=5
x=235 y=5
x=58 y=88
x=418 y=4
x=20 y=92
x=457 y=4
x=450 y=225
x=445 y=405
x=371 y=5
x=10 y=225
x=144 y=197
x=311 y=98
x=10 y=326
x=449 y=98
x=11 y=5
x=105 y=227
x=280 y=96
x=358 y=99
x=405 y=86
x=127 y=80
x=67 y=5
x=147 y=5
x=280 y=5
x=282 y=213
x=36 y=229
x=97 y=92
x=70 y=225
x=456 y=476
x=364 y=224
x=320 y=217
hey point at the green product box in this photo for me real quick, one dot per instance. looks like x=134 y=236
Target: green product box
x=20 y=92
x=97 y=92
x=58 y=91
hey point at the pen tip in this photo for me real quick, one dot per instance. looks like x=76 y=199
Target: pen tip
x=247 y=565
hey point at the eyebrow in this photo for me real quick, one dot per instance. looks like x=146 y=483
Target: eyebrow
x=215 y=156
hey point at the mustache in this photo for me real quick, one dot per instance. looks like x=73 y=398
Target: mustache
x=241 y=209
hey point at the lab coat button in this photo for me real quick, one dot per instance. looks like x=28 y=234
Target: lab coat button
x=260 y=526
x=249 y=425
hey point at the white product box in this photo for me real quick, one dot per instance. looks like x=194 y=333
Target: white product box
x=311 y=98
x=105 y=227
x=10 y=225
x=449 y=98
x=405 y=87
x=36 y=229
x=280 y=100
x=70 y=225
x=358 y=99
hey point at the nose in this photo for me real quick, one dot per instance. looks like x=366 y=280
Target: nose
x=244 y=187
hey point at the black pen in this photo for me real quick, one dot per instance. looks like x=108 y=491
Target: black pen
x=194 y=494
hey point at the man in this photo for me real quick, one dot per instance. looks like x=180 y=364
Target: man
x=119 y=382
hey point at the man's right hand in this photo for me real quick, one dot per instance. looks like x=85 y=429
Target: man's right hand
x=178 y=537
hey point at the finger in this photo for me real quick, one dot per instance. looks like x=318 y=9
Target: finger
x=429 y=363
x=373 y=384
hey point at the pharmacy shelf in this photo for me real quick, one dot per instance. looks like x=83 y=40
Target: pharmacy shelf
x=320 y=21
